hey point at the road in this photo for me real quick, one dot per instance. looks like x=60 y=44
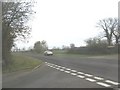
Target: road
x=68 y=72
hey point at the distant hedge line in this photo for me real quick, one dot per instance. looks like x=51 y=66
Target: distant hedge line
x=91 y=50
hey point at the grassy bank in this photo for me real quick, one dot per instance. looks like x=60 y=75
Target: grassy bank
x=21 y=62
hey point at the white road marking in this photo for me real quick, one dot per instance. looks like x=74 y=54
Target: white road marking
x=111 y=82
x=67 y=71
x=58 y=68
x=99 y=78
x=80 y=72
x=80 y=76
x=73 y=70
x=61 y=70
x=48 y=65
x=63 y=67
x=103 y=84
x=88 y=75
x=73 y=73
x=91 y=80
x=51 y=66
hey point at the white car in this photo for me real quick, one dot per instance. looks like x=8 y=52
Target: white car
x=47 y=53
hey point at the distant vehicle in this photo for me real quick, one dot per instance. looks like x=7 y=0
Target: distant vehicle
x=47 y=53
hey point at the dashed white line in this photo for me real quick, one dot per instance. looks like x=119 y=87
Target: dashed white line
x=80 y=72
x=73 y=70
x=67 y=71
x=63 y=67
x=73 y=73
x=99 y=78
x=112 y=82
x=88 y=75
x=80 y=76
x=51 y=66
x=58 y=68
x=61 y=70
x=103 y=84
x=91 y=80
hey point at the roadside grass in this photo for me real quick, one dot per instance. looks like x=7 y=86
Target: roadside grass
x=21 y=62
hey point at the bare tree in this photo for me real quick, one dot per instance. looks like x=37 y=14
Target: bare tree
x=109 y=26
x=14 y=17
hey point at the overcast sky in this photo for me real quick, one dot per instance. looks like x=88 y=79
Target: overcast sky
x=61 y=22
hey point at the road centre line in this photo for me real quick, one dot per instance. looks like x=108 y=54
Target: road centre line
x=58 y=68
x=51 y=66
x=67 y=71
x=61 y=69
x=54 y=67
x=111 y=82
x=98 y=78
x=74 y=72
x=80 y=76
x=80 y=72
x=91 y=80
x=88 y=75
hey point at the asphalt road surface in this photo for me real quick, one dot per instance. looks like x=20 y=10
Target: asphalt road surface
x=68 y=72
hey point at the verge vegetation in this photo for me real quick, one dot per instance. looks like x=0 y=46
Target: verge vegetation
x=21 y=62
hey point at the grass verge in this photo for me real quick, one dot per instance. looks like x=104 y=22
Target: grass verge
x=21 y=62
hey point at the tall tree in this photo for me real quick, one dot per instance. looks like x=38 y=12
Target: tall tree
x=72 y=45
x=39 y=47
x=109 y=26
x=14 y=17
